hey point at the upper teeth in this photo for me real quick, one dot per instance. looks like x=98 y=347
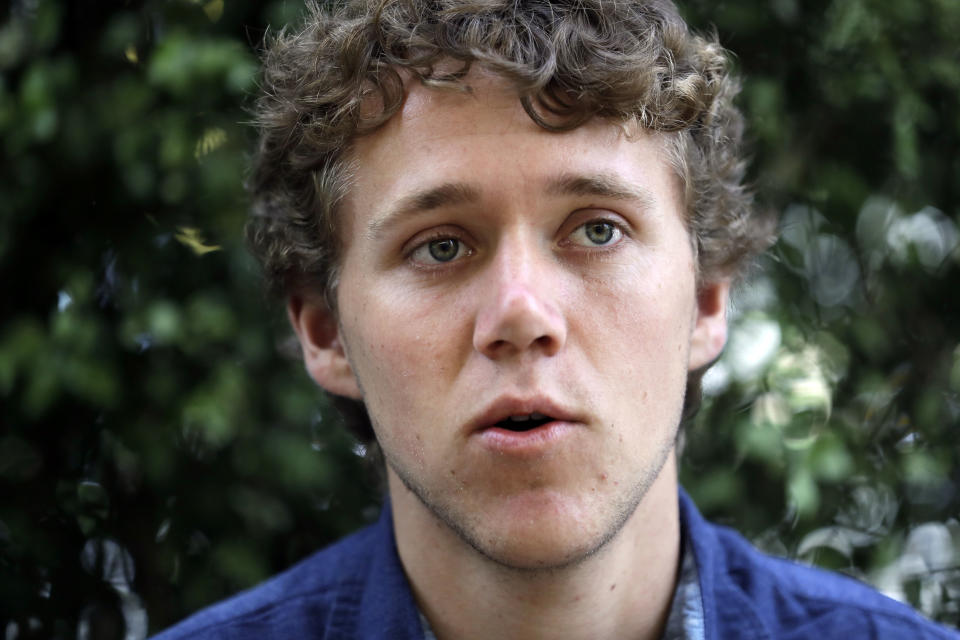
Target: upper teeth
x=529 y=416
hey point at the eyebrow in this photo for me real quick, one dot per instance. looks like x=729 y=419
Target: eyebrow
x=444 y=195
x=599 y=185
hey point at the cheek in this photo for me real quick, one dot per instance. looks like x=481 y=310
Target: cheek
x=643 y=313
x=384 y=370
x=403 y=350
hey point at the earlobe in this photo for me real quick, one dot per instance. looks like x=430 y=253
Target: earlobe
x=323 y=353
x=710 y=326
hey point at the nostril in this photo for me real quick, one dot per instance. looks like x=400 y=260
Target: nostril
x=498 y=345
x=543 y=341
x=547 y=344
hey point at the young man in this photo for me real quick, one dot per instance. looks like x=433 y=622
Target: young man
x=506 y=232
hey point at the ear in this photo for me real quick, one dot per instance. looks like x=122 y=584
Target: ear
x=710 y=327
x=323 y=354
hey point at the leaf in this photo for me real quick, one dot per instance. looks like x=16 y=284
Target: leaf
x=214 y=10
x=191 y=238
x=211 y=140
x=841 y=539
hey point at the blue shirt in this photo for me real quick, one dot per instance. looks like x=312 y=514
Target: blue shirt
x=356 y=589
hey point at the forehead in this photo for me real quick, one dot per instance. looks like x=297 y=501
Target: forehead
x=482 y=138
x=484 y=105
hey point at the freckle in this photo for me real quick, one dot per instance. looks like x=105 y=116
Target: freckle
x=616 y=483
x=603 y=477
x=613 y=586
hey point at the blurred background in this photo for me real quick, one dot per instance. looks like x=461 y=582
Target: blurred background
x=158 y=451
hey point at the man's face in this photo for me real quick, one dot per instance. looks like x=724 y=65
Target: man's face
x=494 y=269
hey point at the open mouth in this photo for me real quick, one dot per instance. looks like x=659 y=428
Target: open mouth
x=525 y=422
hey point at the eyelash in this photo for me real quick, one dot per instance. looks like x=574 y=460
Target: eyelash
x=617 y=232
x=464 y=250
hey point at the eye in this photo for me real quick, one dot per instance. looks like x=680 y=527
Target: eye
x=438 y=251
x=596 y=233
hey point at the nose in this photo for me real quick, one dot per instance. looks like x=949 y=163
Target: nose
x=518 y=309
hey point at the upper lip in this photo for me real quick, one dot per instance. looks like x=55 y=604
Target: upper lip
x=506 y=406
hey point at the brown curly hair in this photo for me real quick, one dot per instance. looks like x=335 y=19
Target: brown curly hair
x=569 y=61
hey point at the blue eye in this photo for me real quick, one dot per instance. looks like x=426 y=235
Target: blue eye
x=439 y=251
x=596 y=233
x=444 y=250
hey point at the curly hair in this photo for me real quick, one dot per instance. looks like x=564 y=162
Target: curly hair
x=569 y=61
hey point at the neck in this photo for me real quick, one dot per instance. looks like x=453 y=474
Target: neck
x=622 y=591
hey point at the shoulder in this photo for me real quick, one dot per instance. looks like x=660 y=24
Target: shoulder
x=295 y=603
x=762 y=596
x=797 y=601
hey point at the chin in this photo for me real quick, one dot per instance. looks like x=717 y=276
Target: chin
x=540 y=530
x=555 y=533
x=543 y=552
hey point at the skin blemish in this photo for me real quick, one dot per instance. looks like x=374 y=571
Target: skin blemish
x=613 y=586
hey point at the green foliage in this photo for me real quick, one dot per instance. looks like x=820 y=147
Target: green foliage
x=836 y=399
x=150 y=421
x=159 y=452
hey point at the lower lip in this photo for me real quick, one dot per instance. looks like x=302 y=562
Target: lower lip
x=532 y=442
